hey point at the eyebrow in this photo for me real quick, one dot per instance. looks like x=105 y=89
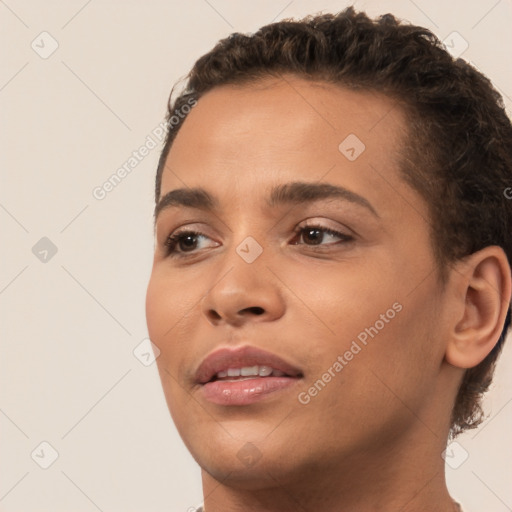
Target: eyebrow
x=289 y=193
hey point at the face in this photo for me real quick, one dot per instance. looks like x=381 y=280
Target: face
x=311 y=256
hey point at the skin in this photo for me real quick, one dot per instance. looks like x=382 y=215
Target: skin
x=372 y=439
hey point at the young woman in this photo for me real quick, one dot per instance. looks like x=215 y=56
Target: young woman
x=331 y=282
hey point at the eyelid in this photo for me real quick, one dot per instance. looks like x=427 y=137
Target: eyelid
x=168 y=229
x=321 y=222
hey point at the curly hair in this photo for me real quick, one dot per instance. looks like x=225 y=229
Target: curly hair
x=458 y=155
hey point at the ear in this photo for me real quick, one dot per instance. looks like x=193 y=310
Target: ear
x=483 y=290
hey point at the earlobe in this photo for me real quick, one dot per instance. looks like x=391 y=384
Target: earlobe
x=485 y=281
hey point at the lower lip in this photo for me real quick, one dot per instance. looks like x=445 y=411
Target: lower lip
x=244 y=392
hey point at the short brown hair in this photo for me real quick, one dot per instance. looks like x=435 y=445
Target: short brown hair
x=459 y=150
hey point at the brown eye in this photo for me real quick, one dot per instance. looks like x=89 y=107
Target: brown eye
x=183 y=242
x=317 y=235
x=187 y=242
x=313 y=235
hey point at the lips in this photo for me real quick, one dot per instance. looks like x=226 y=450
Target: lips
x=224 y=362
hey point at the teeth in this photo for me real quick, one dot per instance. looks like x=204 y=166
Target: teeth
x=264 y=371
x=250 y=371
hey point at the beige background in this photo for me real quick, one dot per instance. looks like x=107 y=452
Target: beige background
x=70 y=325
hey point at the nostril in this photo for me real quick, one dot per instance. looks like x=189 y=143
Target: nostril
x=256 y=310
x=215 y=315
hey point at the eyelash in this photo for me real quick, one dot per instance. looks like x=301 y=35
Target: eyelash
x=174 y=239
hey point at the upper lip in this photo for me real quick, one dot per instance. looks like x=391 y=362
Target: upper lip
x=239 y=357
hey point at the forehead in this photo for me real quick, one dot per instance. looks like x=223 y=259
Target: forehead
x=292 y=108
x=239 y=140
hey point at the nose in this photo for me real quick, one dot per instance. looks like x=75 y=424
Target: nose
x=244 y=293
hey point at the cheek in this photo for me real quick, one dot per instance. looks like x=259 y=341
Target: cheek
x=165 y=314
x=402 y=356
x=172 y=314
x=382 y=333
x=168 y=302
x=159 y=309
x=381 y=385
x=339 y=302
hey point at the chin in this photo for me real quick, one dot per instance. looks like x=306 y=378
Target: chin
x=242 y=464
x=262 y=474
